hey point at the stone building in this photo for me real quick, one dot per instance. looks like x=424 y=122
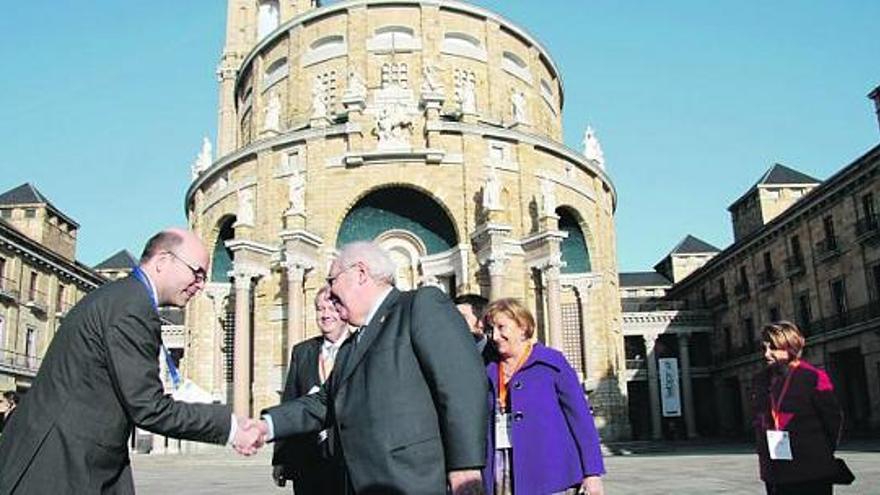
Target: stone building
x=433 y=127
x=657 y=331
x=40 y=280
x=807 y=251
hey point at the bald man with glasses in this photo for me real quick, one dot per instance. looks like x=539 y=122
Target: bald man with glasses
x=100 y=379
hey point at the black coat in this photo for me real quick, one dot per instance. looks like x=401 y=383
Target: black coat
x=305 y=461
x=406 y=403
x=811 y=416
x=99 y=378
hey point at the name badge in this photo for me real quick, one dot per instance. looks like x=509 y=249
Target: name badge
x=315 y=389
x=779 y=444
x=322 y=436
x=502 y=431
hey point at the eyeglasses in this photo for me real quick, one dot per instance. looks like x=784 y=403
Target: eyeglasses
x=197 y=271
x=333 y=278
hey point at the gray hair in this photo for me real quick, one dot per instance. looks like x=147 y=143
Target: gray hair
x=377 y=261
x=322 y=292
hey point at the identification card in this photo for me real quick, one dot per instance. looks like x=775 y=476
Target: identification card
x=322 y=436
x=779 y=444
x=502 y=431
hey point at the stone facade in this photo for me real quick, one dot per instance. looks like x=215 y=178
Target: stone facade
x=818 y=264
x=39 y=281
x=432 y=127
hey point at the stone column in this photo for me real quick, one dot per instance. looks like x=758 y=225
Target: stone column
x=653 y=387
x=686 y=385
x=242 y=354
x=495 y=267
x=554 y=305
x=583 y=289
x=219 y=295
x=296 y=331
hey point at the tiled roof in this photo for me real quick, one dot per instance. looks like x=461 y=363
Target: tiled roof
x=27 y=194
x=643 y=279
x=693 y=245
x=123 y=260
x=780 y=174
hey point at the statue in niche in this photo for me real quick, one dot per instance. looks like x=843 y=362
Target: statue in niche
x=356 y=86
x=203 y=159
x=245 y=214
x=548 y=197
x=319 y=105
x=592 y=148
x=272 y=114
x=468 y=96
x=518 y=106
x=430 y=79
x=297 y=192
x=492 y=190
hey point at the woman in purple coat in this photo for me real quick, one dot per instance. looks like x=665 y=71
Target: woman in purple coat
x=543 y=440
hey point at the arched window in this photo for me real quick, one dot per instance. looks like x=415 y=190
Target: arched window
x=324 y=49
x=267 y=18
x=221 y=259
x=513 y=64
x=396 y=38
x=575 y=252
x=463 y=45
x=275 y=72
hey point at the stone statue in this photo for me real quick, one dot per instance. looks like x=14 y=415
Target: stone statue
x=468 y=95
x=272 y=114
x=393 y=126
x=592 y=148
x=319 y=106
x=548 y=197
x=430 y=79
x=492 y=190
x=518 y=107
x=203 y=159
x=297 y=192
x=356 y=86
x=245 y=215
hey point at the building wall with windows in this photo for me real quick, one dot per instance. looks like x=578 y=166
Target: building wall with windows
x=816 y=263
x=38 y=285
x=431 y=127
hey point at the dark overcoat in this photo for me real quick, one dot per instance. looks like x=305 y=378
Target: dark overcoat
x=406 y=403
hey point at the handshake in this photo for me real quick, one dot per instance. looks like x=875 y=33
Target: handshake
x=250 y=435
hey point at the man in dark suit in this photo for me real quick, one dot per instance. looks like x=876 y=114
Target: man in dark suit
x=304 y=459
x=100 y=379
x=406 y=405
x=471 y=307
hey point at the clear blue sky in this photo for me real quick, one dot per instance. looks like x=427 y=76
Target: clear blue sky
x=105 y=102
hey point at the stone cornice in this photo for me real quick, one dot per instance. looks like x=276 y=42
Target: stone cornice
x=291 y=136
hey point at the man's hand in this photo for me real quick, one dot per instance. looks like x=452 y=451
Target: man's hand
x=278 y=475
x=466 y=482
x=249 y=436
x=592 y=485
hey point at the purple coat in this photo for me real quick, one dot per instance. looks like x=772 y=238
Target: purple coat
x=555 y=442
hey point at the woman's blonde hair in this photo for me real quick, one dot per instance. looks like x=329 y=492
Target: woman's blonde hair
x=514 y=310
x=784 y=336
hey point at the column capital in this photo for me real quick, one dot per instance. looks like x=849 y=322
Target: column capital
x=244 y=273
x=650 y=340
x=496 y=264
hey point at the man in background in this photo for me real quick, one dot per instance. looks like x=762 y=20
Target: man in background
x=305 y=459
x=472 y=307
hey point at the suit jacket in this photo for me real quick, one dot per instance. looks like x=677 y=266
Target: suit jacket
x=304 y=461
x=406 y=402
x=810 y=414
x=99 y=378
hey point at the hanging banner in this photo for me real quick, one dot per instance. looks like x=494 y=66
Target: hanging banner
x=670 y=396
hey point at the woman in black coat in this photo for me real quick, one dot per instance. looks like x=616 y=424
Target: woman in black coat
x=797 y=417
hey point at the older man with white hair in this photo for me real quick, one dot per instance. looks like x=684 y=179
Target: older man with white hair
x=406 y=405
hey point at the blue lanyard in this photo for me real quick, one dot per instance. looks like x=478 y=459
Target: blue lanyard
x=173 y=372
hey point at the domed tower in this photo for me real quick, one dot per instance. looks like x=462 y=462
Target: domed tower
x=433 y=127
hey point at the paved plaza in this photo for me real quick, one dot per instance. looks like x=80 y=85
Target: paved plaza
x=685 y=470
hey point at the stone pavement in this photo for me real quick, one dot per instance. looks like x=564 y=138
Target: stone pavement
x=684 y=469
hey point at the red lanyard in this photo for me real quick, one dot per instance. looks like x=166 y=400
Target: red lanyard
x=502 y=383
x=776 y=404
